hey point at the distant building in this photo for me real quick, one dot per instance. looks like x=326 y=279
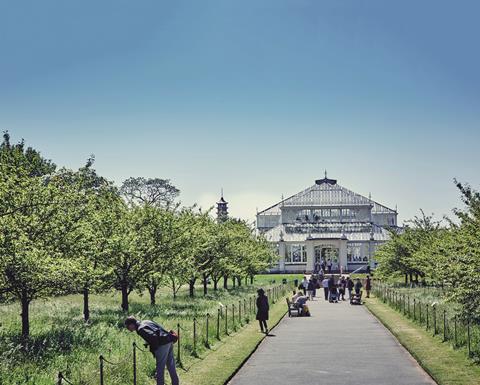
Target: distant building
x=329 y=223
x=222 y=209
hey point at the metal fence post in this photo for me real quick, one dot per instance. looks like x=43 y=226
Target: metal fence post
x=434 y=320
x=233 y=317
x=101 y=371
x=59 y=382
x=178 y=345
x=426 y=308
x=414 y=309
x=240 y=312
x=218 y=324
x=134 y=363
x=226 y=320
x=455 y=330
x=194 y=336
x=469 y=346
x=444 y=325
x=206 y=327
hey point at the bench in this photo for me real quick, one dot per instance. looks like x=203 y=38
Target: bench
x=292 y=308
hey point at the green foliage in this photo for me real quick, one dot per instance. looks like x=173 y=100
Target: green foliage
x=446 y=255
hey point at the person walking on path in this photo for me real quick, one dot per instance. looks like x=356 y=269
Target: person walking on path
x=304 y=285
x=350 y=286
x=310 y=289
x=262 y=310
x=160 y=343
x=329 y=266
x=342 y=283
x=368 y=286
x=325 y=288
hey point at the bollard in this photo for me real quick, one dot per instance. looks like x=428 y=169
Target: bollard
x=206 y=337
x=218 y=324
x=134 y=363
x=101 y=371
x=178 y=345
x=194 y=336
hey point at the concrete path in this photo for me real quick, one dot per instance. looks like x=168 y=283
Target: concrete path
x=340 y=344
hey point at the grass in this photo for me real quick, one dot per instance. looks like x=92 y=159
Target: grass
x=61 y=341
x=446 y=365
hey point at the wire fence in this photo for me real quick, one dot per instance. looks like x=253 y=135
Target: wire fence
x=441 y=320
x=194 y=337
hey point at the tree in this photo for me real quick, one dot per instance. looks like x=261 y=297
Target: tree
x=153 y=192
x=37 y=206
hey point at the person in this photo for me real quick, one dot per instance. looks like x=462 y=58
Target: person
x=341 y=287
x=262 y=310
x=368 y=286
x=300 y=302
x=296 y=295
x=332 y=287
x=325 y=287
x=315 y=285
x=358 y=286
x=310 y=289
x=304 y=285
x=322 y=266
x=350 y=286
x=160 y=343
x=329 y=266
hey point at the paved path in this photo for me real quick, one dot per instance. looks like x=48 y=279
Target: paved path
x=340 y=344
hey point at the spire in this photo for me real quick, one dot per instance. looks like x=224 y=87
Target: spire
x=222 y=208
x=326 y=174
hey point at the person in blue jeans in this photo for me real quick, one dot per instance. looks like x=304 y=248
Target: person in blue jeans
x=159 y=342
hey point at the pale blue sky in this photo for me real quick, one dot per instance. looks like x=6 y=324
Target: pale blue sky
x=256 y=96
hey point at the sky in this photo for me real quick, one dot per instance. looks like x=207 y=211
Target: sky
x=257 y=97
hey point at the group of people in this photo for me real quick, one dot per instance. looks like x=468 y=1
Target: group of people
x=334 y=289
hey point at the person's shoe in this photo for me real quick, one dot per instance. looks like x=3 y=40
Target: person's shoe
x=266 y=332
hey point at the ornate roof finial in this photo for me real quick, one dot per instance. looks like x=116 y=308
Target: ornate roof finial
x=221 y=192
x=326 y=175
x=370 y=196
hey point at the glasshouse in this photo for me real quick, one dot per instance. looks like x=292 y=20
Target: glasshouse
x=326 y=227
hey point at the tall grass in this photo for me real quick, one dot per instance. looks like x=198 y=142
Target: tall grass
x=61 y=341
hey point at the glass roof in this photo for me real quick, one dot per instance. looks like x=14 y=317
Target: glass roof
x=326 y=192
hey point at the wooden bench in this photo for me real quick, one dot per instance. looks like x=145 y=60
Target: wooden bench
x=292 y=308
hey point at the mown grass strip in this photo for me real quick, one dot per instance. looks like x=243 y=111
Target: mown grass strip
x=446 y=365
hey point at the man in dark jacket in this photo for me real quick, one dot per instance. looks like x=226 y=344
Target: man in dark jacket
x=350 y=286
x=161 y=346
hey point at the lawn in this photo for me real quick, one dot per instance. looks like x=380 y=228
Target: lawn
x=61 y=341
x=446 y=365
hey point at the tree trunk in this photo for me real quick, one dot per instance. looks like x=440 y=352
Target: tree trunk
x=234 y=281
x=251 y=280
x=191 y=288
x=205 y=284
x=406 y=279
x=225 y=282
x=25 y=315
x=215 y=283
x=124 y=288
x=239 y=279
x=246 y=280
x=411 y=277
x=86 y=307
x=152 y=289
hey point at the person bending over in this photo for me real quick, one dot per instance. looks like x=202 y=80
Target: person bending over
x=160 y=343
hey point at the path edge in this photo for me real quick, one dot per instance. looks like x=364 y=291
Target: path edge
x=242 y=364
x=399 y=343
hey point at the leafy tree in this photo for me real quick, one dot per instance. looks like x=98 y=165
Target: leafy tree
x=37 y=206
x=153 y=192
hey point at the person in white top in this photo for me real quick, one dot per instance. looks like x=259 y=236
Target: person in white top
x=305 y=285
x=325 y=288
